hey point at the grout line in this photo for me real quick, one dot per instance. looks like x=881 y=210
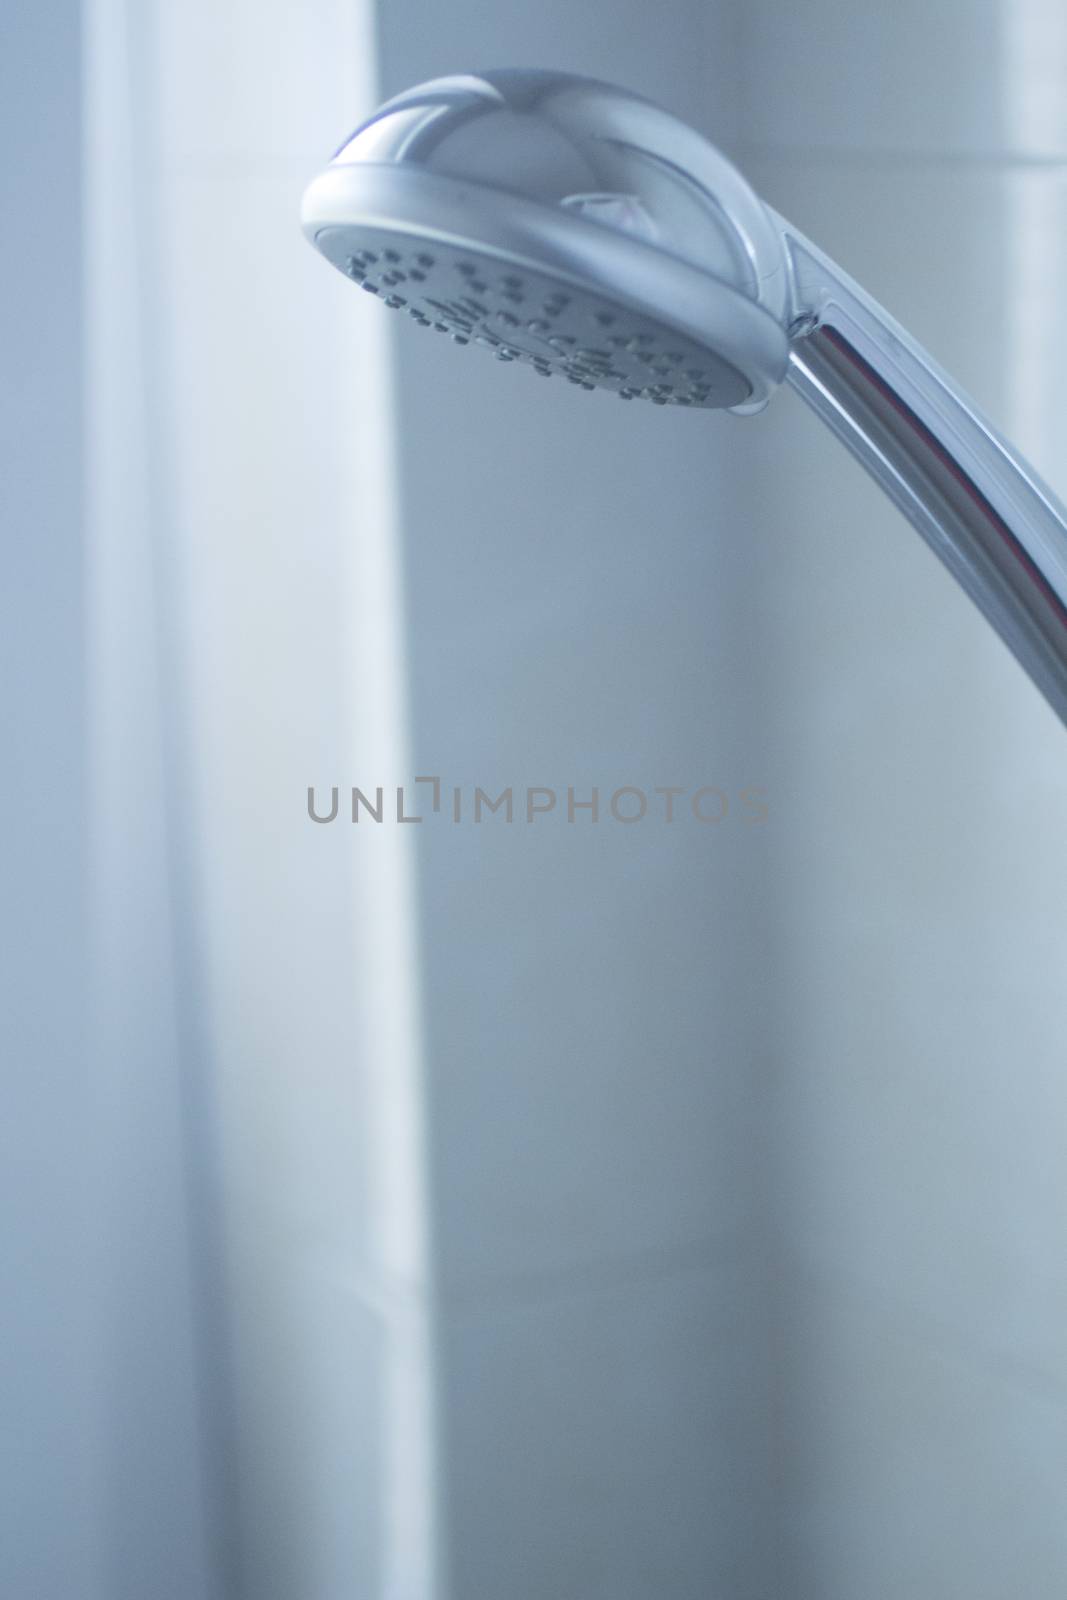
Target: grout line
x=296 y=163
x=904 y=160
x=939 y=1335
x=596 y=1276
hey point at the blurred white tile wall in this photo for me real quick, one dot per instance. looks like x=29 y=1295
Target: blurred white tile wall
x=579 y=608
x=918 y=1187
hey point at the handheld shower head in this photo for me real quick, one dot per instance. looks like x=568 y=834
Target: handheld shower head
x=567 y=224
x=561 y=222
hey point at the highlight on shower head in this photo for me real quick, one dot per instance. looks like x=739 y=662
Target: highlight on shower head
x=575 y=227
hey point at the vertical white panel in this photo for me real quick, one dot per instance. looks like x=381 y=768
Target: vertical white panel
x=151 y=1420
x=250 y=644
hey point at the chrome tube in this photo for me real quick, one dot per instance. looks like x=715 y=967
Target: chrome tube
x=980 y=507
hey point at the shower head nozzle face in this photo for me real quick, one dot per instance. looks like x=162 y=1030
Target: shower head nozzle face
x=565 y=224
x=518 y=313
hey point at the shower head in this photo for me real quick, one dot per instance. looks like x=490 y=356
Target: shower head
x=566 y=224
x=563 y=223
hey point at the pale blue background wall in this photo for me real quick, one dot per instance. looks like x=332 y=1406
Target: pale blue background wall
x=596 y=1211
x=46 y=1165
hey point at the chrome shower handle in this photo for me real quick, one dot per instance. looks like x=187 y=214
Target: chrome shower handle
x=980 y=507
